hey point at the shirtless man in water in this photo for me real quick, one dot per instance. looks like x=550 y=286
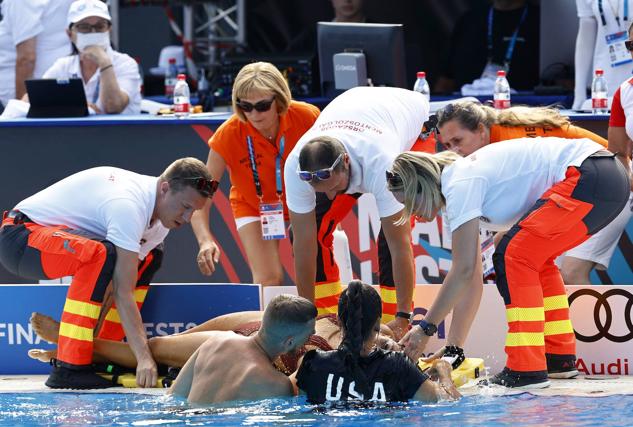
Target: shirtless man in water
x=210 y=374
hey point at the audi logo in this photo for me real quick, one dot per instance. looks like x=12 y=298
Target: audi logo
x=602 y=302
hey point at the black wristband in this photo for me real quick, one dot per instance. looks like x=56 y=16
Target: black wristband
x=105 y=68
x=404 y=315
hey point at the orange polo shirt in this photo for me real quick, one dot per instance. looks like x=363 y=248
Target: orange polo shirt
x=229 y=141
x=502 y=133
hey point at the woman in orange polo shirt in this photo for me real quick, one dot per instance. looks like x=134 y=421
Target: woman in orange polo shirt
x=466 y=126
x=253 y=145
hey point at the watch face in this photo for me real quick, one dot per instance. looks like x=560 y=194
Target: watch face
x=429 y=328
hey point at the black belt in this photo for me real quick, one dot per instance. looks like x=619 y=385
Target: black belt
x=18 y=217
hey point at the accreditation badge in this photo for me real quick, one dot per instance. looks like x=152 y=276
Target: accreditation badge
x=487 y=250
x=618 y=55
x=271 y=216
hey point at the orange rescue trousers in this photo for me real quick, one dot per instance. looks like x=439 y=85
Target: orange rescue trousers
x=38 y=252
x=537 y=308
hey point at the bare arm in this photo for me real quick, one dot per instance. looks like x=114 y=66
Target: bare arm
x=209 y=253
x=124 y=282
x=583 y=58
x=455 y=286
x=399 y=241
x=24 y=65
x=466 y=309
x=113 y=99
x=305 y=252
x=184 y=380
x=443 y=389
x=620 y=143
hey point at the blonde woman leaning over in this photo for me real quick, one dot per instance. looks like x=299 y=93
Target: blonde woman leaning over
x=542 y=192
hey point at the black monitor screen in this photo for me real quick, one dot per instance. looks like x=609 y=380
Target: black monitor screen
x=382 y=44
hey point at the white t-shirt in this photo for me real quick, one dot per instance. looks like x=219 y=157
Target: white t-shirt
x=500 y=182
x=375 y=124
x=127 y=75
x=589 y=9
x=107 y=202
x=23 y=20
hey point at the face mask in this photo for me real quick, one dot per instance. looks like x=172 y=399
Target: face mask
x=92 y=39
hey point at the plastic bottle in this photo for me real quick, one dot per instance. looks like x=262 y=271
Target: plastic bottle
x=599 y=91
x=203 y=90
x=170 y=78
x=422 y=86
x=502 y=91
x=181 y=97
x=342 y=256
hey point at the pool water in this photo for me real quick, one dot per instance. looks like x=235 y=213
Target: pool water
x=69 y=409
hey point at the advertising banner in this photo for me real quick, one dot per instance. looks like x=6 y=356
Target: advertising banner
x=168 y=309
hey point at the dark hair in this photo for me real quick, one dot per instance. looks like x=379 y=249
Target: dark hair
x=180 y=173
x=359 y=307
x=320 y=153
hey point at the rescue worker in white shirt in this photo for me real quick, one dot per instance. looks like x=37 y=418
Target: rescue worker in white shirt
x=101 y=225
x=31 y=39
x=543 y=192
x=341 y=156
x=111 y=79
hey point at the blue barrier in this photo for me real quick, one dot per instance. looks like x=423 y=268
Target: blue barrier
x=169 y=308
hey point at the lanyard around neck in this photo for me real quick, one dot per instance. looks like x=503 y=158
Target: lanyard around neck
x=251 y=155
x=513 y=40
x=616 y=12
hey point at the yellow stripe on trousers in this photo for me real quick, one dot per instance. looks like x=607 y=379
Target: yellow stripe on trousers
x=75 y=332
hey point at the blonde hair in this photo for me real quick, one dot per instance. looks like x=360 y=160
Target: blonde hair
x=470 y=114
x=421 y=173
x=261 y=77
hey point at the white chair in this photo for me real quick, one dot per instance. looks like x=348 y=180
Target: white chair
x=166 y=54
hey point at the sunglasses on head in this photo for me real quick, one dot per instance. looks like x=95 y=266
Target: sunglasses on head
x=261 y=106
x=205 y=186
x=629 y=45
x=321 y=174
x=393 y=179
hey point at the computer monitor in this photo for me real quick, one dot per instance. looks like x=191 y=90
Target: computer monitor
x=382 y=44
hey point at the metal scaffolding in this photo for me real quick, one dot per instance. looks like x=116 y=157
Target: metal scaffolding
x=209 y=27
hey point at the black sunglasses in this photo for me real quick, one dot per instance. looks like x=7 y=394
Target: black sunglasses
x=393 y=179
x=629 y=45
x=261 y=106
x=206 y=187
x=321 y=174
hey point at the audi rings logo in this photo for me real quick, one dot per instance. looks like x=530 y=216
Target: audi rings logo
x=602 y=302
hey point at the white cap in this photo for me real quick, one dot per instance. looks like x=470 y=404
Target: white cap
x=81 y=9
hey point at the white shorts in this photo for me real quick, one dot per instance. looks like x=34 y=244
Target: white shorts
x=599 y=248
x=241 y=222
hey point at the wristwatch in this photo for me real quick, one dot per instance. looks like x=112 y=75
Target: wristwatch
x=404 y=315
x=428 y=328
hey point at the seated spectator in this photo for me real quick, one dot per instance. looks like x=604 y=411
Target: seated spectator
x=504 y=35
x=111 y=79
x=31 y=39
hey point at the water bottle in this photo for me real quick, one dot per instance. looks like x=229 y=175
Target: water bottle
x=502 y=91
x=342 y=255
x=170 y=78
x=599 y=93
x=203 y=90
x=422 y=86
x=181 y=97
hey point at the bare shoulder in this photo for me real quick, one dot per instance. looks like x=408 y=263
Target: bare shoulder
x=267 y=381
